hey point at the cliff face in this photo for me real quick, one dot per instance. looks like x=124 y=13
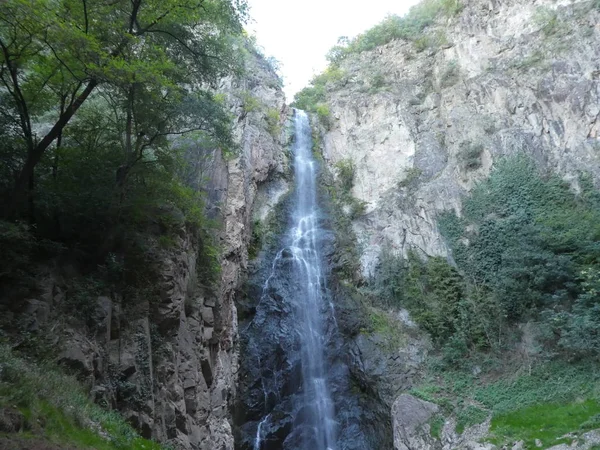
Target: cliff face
x=422 y=124
x=170 y=368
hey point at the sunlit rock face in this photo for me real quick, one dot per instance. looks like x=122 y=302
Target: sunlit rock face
x=422 y=127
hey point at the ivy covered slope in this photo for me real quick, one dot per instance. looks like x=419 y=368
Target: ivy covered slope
x=464 y=143
x=131 y=132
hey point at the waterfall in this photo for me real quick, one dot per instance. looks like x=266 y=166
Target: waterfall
x=298 y=264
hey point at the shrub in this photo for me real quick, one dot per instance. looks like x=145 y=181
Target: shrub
x=323 y=114
x=410 y=27
x=249 y=102
x=411 y=176
x=345 y=171
x=450 y=75
x=273 y=117
x=469 y=155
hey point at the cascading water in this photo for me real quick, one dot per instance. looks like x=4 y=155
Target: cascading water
x=315 y=421
x=295 y=391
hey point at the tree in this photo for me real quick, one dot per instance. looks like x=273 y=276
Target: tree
x=150 y=55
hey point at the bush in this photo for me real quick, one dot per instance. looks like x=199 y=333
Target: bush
x=411 y=176
x=451 y=75
x=530 y=244
x=345 y=171
x=410 y=27
x=469 y=155
x=273 y=117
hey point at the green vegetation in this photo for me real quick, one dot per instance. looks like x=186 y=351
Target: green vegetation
x=469 y=155
x=54 y=401
x=411 y=176
x=450 y=75
x=273 y=117
x=552 y=400
x=313 y=97
x=108 y=126
x=526 y=248
x=436 y=424
x=410 y=27
x=385 y=326
x=469 y=416
x=249 y=102
x=547 y=422
x=345 y=171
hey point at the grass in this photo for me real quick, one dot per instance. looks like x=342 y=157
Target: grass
x=388 y=328
x=547 y=422
x=552 y=400
x=469 y=416
x=436 y=424
x=55 y=405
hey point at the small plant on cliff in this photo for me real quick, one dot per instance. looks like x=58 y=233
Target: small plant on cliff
x=411 y=176
x=546 y=19
x=451 y=74
x=345 y=171
x=469 y=155
x=410 y=27
x=273 y=118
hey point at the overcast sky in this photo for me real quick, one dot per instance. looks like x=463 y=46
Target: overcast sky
x=300 y=32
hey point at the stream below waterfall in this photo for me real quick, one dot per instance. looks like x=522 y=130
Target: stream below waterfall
x=295 y=384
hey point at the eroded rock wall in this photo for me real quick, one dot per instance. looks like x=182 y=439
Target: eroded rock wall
x=422 y=127
x=170 y=365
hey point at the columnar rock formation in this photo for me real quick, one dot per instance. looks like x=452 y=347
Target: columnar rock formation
x=171 y=368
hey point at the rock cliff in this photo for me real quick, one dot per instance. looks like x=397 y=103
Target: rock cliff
x=170 y=365
x=418 y=124
x=422 y=123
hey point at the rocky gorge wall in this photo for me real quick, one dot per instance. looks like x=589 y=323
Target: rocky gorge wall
x=170 y=366
x=419 y=124
x=423 y=123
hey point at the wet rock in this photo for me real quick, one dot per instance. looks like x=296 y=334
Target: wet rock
x=11 y=420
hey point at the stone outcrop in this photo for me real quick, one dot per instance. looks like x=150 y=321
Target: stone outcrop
x=169 y=364
x=422 y=127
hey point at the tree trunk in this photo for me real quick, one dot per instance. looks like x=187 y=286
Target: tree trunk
x=35 y=155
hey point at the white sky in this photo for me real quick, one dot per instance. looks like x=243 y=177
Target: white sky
x=299 y=33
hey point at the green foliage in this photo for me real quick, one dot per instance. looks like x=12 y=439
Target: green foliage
x=56 y=402
x=436 y=424
x=145 y=59
x=273 y=117
x=345 y=171
x=324 y=115
x=431 y=41
x=249 y=102
x=523 y=237
x=469 y=416
x=410 y=27
x=411 y=176
x=544 y=422
x=313 y=97
x=526 y=247
x=469 y=155
x=547 y=402
x=546 y=19
x=377 y=82
x=535 y=59
x=388 y=330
